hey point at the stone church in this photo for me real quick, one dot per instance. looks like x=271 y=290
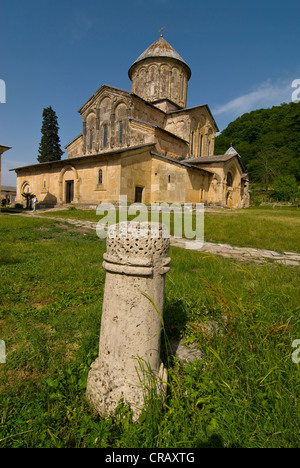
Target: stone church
x=145 y=144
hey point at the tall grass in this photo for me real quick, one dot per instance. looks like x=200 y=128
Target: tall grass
x=243 y=393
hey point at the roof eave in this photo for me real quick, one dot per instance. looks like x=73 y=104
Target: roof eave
x=4 y=148
x=181 y=163
x=70 y=160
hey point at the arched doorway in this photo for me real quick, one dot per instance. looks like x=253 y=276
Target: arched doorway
x=68 y=185
x=26 y=190
x=228 y=197
x=229 y=189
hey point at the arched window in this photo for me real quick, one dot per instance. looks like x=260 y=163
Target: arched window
x=192 y=143
x=90 y=126
x=91 y=140
x=100 y=177
x=182 y=88
x=229 y=181
x=120 y=132
x=105 y=135
x=201 y=145
x=120 y=119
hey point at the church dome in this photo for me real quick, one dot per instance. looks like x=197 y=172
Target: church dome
x=160 y=74
x=160 y=48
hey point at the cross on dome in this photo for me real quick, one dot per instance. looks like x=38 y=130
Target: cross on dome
x=161 y=31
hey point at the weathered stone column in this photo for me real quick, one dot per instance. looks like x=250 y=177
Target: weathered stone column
x=130 y=325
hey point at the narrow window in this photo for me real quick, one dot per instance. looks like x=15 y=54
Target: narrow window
x=105 y=135
x=91 y=140
x=192 y=143
x=201 y=144
x=120 y=133
x=169 y=179
x=44 y=184
x=182 y=88
x=229 y=179
x=100 y=177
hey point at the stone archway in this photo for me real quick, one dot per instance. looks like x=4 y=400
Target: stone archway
x=216 y=192
x=25 y=187
x=228 y=200
x=231 y=186
x=64 y=187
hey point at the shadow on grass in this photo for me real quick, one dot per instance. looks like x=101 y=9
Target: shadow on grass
x=175 y=318
x=215 y=441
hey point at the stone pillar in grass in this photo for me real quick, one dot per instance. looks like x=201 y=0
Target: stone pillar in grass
x=136 y=262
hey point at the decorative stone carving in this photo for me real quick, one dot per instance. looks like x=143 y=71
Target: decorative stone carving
x=136 y=263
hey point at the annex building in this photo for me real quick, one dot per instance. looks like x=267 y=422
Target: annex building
x=145 y=144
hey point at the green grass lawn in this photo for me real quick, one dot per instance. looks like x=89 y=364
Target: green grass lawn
x=244 y=318
x=262 y=228
x=259 y=227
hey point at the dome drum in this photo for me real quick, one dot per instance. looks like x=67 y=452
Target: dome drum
x=160 y=73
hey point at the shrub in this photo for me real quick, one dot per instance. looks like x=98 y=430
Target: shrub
x=285 y=188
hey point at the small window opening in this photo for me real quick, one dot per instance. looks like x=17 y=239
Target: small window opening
x=100 y=177
x=182 y=88
x=91 y=140
x=105 y=135
x=229 y=179
x=120 y=133
x=201 y=144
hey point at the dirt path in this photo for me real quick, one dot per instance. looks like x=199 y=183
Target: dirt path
x=225 y=250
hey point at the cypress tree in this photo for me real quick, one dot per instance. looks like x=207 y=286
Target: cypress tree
x=49 y=149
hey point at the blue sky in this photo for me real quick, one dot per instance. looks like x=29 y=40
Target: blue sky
x=244 y=55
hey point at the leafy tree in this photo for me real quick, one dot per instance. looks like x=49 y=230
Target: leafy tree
x=285 y=188
x=263 y=169
x=268 y=141
x=49 y=149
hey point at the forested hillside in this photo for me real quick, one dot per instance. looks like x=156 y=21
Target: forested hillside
x=268 y=141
